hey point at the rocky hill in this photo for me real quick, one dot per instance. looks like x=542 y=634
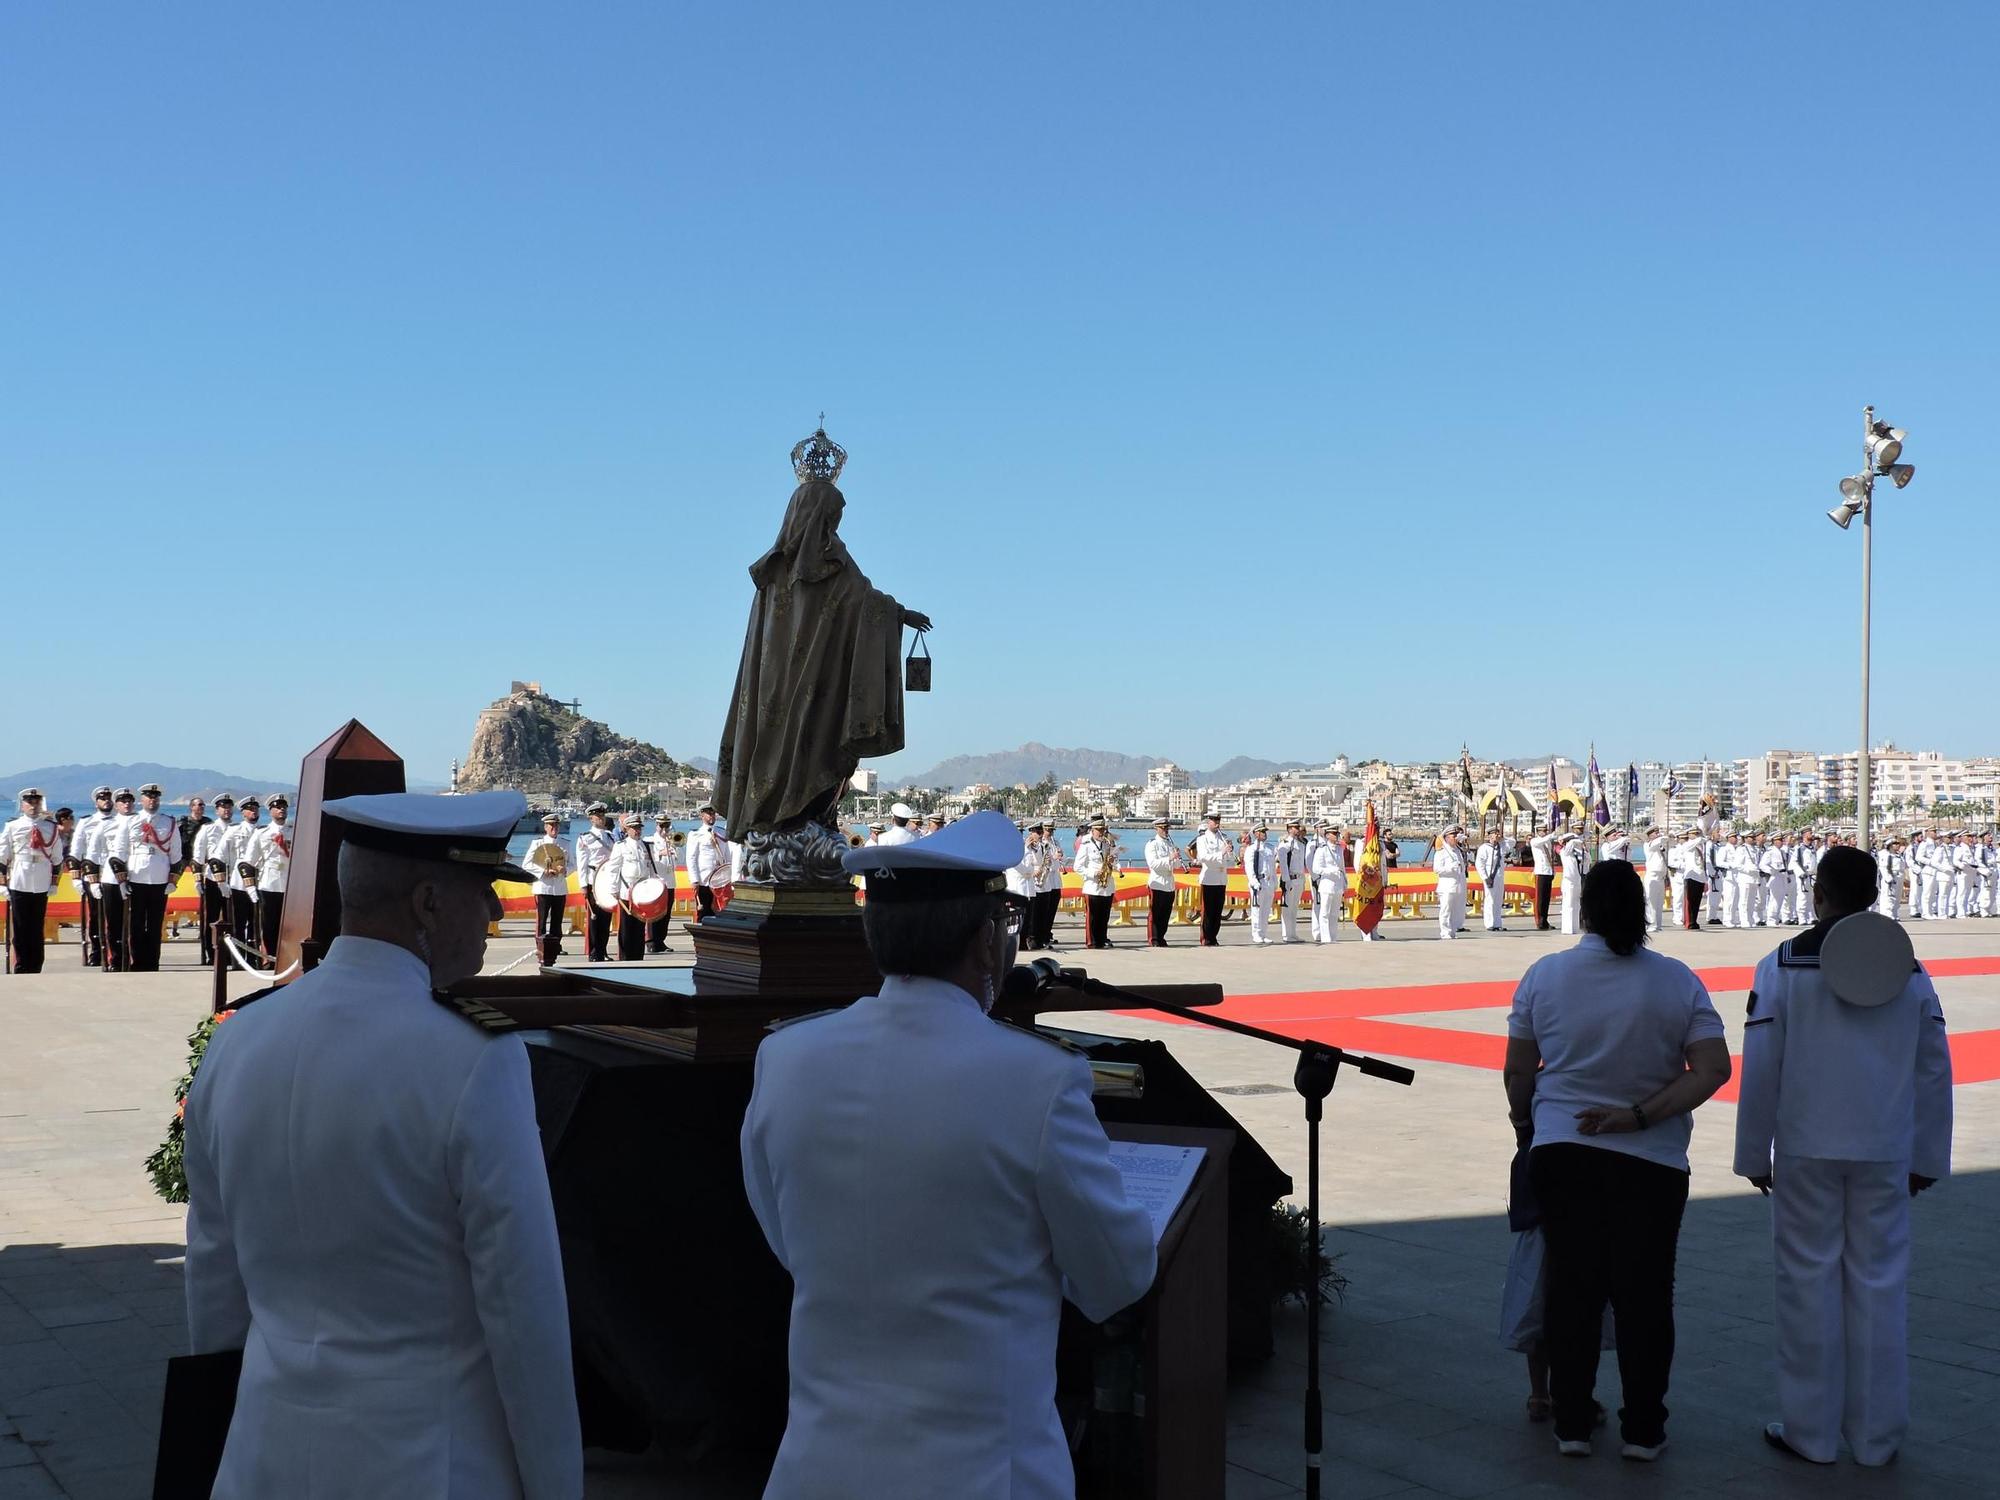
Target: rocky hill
x=530 y=741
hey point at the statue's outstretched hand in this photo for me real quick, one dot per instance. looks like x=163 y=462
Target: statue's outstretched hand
x=916 y=621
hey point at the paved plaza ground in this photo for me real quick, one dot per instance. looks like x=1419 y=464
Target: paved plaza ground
x=1421 y=1399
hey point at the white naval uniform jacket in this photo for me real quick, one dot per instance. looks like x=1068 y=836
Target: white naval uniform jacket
x=239 y=848
x=271 y=853
x=1657 y=863
x=1211 y=851
x=1091 y=857
x=1823 y=1078
x=1618 y=848
x=547 y=885
x=148 y=843
x=1291 y=865
x=1052 y=865
x=1021 y=877
x=593 y=848
x=87 y=843
x=1160 y=855
x=31 y=849
x=1492 y=866
x=1448 y=863
x=369 y=1219
x=708 y=856
x=212 y=843
x=633 y=860
x=1329 y=866
x=936 y=1183
x=1540 y=847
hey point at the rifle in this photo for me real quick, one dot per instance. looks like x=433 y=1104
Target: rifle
x=7 y=930
x=124 y=915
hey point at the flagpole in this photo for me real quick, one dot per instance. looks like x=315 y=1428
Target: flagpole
x=1590 y=779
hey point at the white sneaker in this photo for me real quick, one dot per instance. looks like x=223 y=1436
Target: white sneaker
x=1573 y=1447
x=1641 y=1453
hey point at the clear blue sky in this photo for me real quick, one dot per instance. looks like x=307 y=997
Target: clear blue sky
x=1277 y=380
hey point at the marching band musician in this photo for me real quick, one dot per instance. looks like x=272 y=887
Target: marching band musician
x=271 y=853
x=1571 y=854
x=1329 y=875
x=1097 y=863
x=1448 y=865
x=547 y=862
x=1162 y=859
x=87 y=847
x=1656 y=876
x=31 y=851
x=1022 y=877
x=1212 y=853
x=632 y=858
x=236 y=855
x=1260 y=877
x=148 y=844
x=1845 y=1116
x=900 y=816
x=1542 y=848
x=922 y=1343
x=667 y=858
x=710 y=863
x=1293 y=864
x=1491 y=863
x=593 y=848
x=210 y=852
x=1052 y=884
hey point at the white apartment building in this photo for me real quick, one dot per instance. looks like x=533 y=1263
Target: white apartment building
x=1899 y=779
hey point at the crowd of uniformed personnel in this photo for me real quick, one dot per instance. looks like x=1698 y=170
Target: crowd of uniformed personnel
x=126 y=858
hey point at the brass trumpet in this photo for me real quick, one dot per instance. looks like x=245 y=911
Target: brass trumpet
x=678 y=838
x=855 y=840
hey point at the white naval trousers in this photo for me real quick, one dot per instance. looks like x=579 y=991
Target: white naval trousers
x=1288 y=914
x=1451 y=906
x=1778 y=899
x=1737 y=913
x=1260 y=913
x=1676 y=893
x=1889 y=899
x=1656 y=895
x=1840 y=1233
x=1926 y=902
x=1961 y=895
x=1329 y=896
x=1493 y=908
x=1572 y=909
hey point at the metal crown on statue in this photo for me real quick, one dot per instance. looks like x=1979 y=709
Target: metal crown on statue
x=818 y=457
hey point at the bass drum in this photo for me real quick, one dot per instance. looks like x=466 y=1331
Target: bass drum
x=604 y=888
x=652 y=899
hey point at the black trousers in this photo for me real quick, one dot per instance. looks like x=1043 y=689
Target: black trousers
x=112 y=905
x=631 y=937
x=93 y=924
x=1047 y=904
x=549 y=925
x=1691 y=894
x=1211 y=911
x=704 y=902
x=598 y=931
x=1612 y=1222
x=1097 y=921
x=243 y=920
x=1157 y=919
x=26 y=911
x=1542 y=886
x=213 y=900
x=270 y=916
x=656 y=934
x=149 y=916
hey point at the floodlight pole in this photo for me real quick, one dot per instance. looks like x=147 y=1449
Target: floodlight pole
x=1867 y=575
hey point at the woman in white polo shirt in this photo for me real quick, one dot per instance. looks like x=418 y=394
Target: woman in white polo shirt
x=1609 y=1049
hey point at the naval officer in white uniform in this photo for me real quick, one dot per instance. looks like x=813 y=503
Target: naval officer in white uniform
x=936 y=1183
x=1845 y=1117
x=368 y=1210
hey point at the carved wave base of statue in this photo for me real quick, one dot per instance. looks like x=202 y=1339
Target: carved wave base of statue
x=785 y=940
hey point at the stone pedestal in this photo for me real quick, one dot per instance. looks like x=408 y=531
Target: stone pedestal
x=785 y=939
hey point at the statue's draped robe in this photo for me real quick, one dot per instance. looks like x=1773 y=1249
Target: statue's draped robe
x=820 y=685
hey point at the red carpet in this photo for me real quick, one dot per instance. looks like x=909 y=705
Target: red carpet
x=1355 y=1019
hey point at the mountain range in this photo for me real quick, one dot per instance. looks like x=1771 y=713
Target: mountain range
x=1031 y=762
x=71 y=786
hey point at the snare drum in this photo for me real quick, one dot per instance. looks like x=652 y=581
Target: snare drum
x=604 y=888
x=651 y=899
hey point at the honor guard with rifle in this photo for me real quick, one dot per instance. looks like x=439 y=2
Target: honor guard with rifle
x=1260 y=881
x=117 y=907
x=549 y=864
x=211 y=871
x=87 y=849
x=593 y=848
x=1162 y=860
x=241 y=874
x=1293 y=860
x=31 y=852
x=271 y=853
x=191 y=826
x=1097 y=863
x=1214 y=855
x=148 y=845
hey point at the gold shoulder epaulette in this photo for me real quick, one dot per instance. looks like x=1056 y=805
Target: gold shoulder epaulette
x=478 y=1012
x=1039 y=1035
x=812 y=1015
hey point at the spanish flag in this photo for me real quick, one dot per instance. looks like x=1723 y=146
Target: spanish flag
x=1369 y=882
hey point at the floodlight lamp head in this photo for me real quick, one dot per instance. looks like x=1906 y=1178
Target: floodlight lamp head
x=1902 y=474
x=1855 y=489
x=1840 y=515
x=1883 y=451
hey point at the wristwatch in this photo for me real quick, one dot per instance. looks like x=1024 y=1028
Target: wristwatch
x=1639 y=1116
